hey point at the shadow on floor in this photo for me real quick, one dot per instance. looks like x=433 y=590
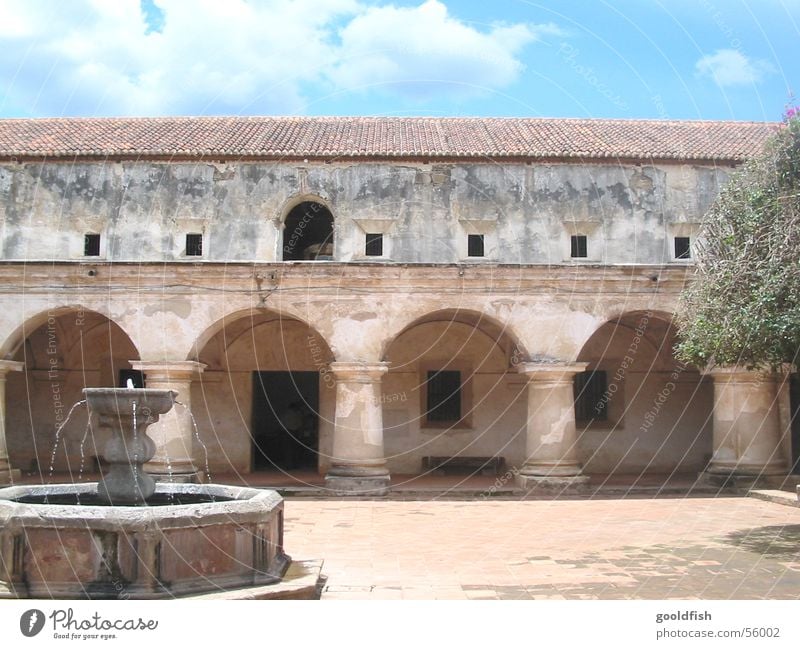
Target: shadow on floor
x=771 y=541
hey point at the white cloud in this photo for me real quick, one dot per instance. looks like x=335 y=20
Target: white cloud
x=732 y=68
x=253 y=56
x=412 y=50
x=98 y=57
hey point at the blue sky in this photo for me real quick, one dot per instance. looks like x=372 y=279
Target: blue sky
x=676 y=59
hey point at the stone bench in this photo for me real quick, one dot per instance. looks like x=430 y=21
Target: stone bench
x=442 y=465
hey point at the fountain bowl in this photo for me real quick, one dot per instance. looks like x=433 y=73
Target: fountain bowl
x=205 y=539
x=113 y=401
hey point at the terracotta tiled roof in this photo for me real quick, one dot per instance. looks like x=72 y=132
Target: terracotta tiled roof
x=381 y=137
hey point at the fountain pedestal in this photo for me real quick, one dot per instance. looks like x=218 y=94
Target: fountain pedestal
x=127 y=413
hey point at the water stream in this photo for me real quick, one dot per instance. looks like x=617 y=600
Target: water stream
x=58 y=436
x=197 y=437
x=134 y=464
x=83 y=453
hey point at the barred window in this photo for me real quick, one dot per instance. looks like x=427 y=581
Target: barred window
x=444 y=396
x=91 y=245
x=194 y=245
x=374 y=245
x=683 y=248
x=475 y=246
x=578 y=245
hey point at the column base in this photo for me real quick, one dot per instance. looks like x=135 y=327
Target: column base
x=554 y=485
x=357 y=485
x=197 y=477
x=9 y=476
x=180 y=473
x=178 y=477
x=553 y=469
x=737 y=480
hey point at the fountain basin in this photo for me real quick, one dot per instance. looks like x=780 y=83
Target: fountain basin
x=221 y=538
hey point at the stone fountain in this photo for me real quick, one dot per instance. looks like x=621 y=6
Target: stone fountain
x=128 y=537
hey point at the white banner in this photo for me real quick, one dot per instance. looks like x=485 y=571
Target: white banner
x=379 y=624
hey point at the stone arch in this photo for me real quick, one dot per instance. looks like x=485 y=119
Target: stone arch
x=259 y=364
x=32 y=322
x=503 y=335
x=307 y=229
x=476 y=355
x=640 y=410
x=63 y=351
x=618 y=315
x=635 y=320
x=254 y=316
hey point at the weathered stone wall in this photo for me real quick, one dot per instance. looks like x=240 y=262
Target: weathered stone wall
x=143 y=210
x=526 y=301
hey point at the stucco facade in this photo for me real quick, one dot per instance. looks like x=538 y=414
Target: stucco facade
x=360 y=338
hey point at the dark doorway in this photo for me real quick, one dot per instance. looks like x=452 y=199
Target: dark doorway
x=136 y=376
x=794 y=394
x=285 y=420
x=308 y=233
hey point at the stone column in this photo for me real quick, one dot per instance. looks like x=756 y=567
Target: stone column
x=747 y=431
x=7 y=474
x=174 y=432
x=358 y=465
x=552 y=461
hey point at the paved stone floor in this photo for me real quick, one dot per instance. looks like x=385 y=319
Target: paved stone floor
x=707 y=548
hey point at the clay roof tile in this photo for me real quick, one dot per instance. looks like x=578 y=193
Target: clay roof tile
x=382 y=137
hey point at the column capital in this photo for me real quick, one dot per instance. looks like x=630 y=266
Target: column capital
x=551 y=372
x=357 y=372
x=10 y=366
x=169 y=370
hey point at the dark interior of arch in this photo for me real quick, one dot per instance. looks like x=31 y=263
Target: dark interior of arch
x=308 y=233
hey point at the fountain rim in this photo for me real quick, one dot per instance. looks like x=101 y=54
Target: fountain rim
x=107 y=390
x=242 y=502
x=146 y=394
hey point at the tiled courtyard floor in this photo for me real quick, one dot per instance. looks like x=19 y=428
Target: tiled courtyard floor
x=708 y=548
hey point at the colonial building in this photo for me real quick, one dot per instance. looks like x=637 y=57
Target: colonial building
x=363 y=297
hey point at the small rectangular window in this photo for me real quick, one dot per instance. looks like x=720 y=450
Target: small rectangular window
x=577 y=245
x=374 y=245
x=683 y=248
x=444 y=396
x=194 y=245
x=591 y=400
x=475 y=245
x=136 y=377
x=91 y=245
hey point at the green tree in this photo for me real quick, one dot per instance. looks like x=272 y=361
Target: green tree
x=742 y=306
